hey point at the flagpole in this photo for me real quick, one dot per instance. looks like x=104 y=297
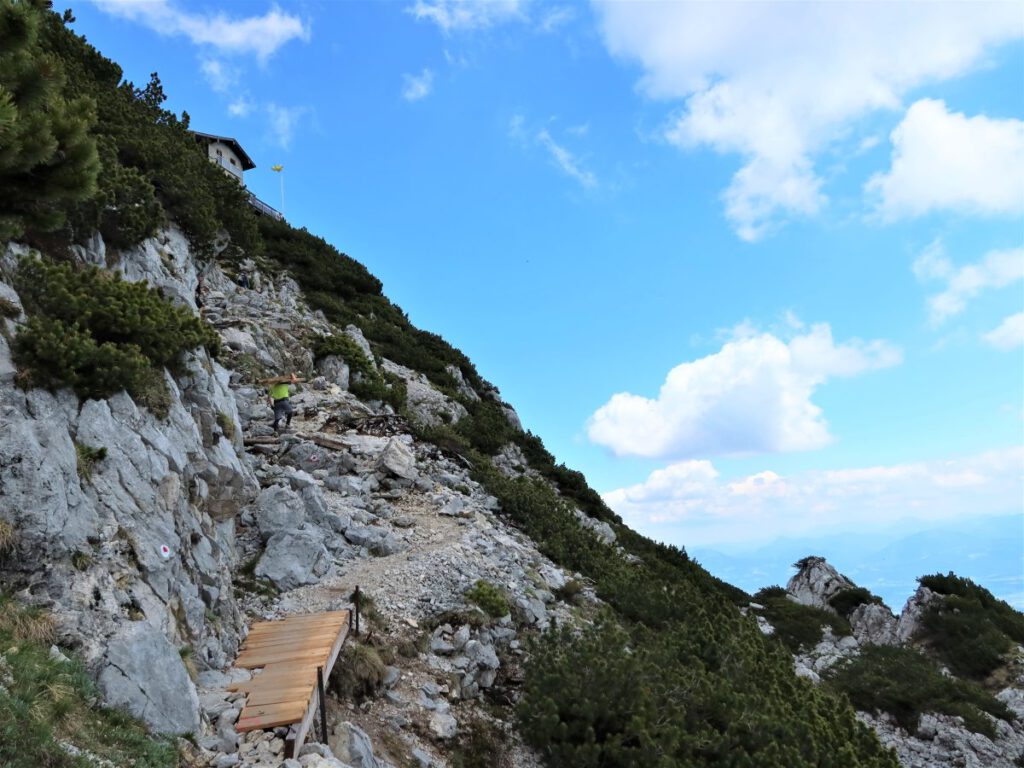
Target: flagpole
x=278 y=169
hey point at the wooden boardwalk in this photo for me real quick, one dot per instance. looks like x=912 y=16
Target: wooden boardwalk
x=290 y=651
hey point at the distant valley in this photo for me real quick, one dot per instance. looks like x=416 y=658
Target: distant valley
x=988 y=550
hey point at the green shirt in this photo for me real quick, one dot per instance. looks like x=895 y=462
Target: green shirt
x=279 y=391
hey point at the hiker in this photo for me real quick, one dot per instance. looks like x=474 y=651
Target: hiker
x=280 y=402
x=243 y=279
x=200 y=289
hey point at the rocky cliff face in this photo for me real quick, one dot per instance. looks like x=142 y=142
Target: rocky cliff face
x=940 y=739
x=146 y=556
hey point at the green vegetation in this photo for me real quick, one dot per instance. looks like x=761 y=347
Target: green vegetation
x=344 y=347
x=570 y=591
x=491 y=599
x=674 y=675
x=8 y=537
x=48 y=702
x=846 y=601
x=799 y=627
x=88 y=457
x=48 y=159
x=81 y=560
x=226 y=424
x=8 y=308
x=90 y=330
x=969 y=629
x=481 y=744
x=359 y=672
x=905 y=684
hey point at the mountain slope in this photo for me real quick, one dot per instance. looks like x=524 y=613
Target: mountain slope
x=151 y=532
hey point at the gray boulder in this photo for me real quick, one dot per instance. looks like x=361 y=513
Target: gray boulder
x=398 y=459
x=334 y=369
x=293 y=559
x=279 y=509
x=351 y=745
x=143 y=674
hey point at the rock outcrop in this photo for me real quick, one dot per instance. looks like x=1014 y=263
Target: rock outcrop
x=816 y=582
x=940 y=739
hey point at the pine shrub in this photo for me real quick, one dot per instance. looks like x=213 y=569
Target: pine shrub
x=968 y=628
x=92 y=331
x=904 y=683
x=489 y=597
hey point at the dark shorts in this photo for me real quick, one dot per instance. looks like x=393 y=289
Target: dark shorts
x=283 y=407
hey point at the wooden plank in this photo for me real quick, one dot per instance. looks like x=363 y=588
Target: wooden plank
x=272 y=677
x=300 y=642
x=270 y=721
x=301 y=617
x=293 y=709
x=298 y=626
x=327 y=636
x=319 y=655
x=277 y=695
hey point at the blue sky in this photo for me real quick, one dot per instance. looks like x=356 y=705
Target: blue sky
x=756 y=269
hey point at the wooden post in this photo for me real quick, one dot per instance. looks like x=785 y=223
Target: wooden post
x=359 y=599
x=323 y=703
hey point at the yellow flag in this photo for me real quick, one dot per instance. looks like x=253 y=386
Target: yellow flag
x=277 y=168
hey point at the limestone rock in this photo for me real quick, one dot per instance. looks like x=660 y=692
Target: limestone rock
x=279 y=509
x=816 y=582
x=351 y=745
x=143 y=674
x=873 y=623
x=293 y=559
x=398 y=459
x=334 y=369
x=601 y=529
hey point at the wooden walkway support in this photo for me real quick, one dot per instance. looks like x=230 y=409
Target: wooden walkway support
x=290 y=651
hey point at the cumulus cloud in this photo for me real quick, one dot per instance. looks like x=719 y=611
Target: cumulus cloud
x=259 y=35
x=944 y=160
x=998 y=269
x=565 y=161
x=418 y=86
x=688 y=502
x=776 y=83
x=1009 y=334
x=752 y=396
x=463 y=15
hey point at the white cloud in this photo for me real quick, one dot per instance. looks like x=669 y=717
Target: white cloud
x=220 y=76
x=566 y=161
x=998 y=269
x=689 y=503
x=259 y=35
x=283 y=121
x=1009 y=334
x=554 y=18
x=943 y=160
x=241 y=107
x=777 y=83
x=464 y=15
x=752 y=396
x=418 y=86
x=516 y=128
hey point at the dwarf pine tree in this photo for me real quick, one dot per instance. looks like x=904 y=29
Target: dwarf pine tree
x=47 y=156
